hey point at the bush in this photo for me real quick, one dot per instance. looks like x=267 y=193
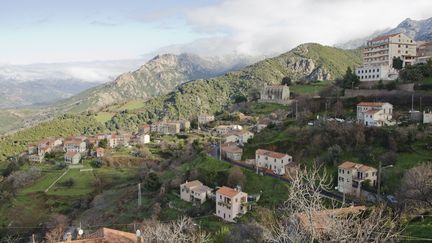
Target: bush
x=69 y=183
x=152 y=182
x=97 y=163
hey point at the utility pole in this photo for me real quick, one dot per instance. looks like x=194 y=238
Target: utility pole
x=296 y=110
x=412 y=102
x=139 y=195
x=220 y=148
x=379 y=181
x=420 y=103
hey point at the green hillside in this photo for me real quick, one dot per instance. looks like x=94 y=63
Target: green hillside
x=307 y=62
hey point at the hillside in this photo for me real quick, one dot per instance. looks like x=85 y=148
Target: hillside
x=307 y=62
x=158 y=76
x=419 y=30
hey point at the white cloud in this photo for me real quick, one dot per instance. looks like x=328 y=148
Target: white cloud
x=274 y=26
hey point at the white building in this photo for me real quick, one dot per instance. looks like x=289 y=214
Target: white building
x=379 y=53
x=375 y=114
x=72 y=157
x=194 y=191
x=351 y=175
x=424 y=52
x=74 y=146
x=224 y=129
x=230 y=203
x=272 y=160
x=427 y=117
x=239 y=137
x=204 y=119
x=143 y=138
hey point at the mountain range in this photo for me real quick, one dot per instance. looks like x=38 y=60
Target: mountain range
x=419 y=30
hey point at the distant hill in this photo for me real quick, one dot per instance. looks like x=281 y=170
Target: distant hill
x=307 y=62
x=158 y=76
x=419 y=30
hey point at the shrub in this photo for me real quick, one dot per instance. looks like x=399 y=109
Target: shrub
x=69 y=183
x=97 y=163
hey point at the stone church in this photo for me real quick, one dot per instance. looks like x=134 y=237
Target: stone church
x=275 y=94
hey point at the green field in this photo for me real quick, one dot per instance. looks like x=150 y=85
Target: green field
x=419 y=230
x=310 y=89
x=131 y=105
x=103 y=117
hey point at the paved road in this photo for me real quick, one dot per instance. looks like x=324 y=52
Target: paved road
x=215 y=153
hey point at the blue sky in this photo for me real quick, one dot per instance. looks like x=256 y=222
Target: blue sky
x=34 y=31
x=60 y=30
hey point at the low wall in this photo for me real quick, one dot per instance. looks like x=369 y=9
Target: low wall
x=374 y=92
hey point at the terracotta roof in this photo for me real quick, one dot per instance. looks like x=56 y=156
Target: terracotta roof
x=347 y=165
x=229 y=144
x=73 y=142
x=232 y=149
x=201 y=189
x=193 y=183
x=379 y=38
x=70 y=154
x=227 y=191
x=373 y=104
x=270 y=153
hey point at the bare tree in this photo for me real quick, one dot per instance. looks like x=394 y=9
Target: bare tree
x=181 y=230
x=56 y=226
x=416 y=188
x=236 y=177
x=306 y=217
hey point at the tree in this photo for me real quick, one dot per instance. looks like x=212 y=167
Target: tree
x=181 y=230
x=249 y=232
x=69 y=183
x=236 y=177
x=96 y=163
x=152 y=182
x=350 y=79
x=334 y=154
x=416 y=187
x=397 y=63
x=56 y=225
x=103 y=143
x=286 y=81
x=338 y=108
x=304 y=198
x=11 y=167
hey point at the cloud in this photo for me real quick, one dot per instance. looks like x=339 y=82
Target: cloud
x=103 y=23
x=274 y=26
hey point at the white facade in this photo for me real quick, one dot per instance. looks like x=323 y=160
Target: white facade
x=351 y=175
x=204 y=119
x=379 y=53
x=427 y=117
x=194 y=191
x=143 y=138
x=374 y=113
x=230 y=203
x=239 y=137
x=272 y=160
x=75 y=146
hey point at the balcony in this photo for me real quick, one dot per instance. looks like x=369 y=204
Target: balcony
x=224 y=204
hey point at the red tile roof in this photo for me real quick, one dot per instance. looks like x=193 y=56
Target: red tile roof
x=227 y=191
x=379 y=38
x=232 y=149
x=347 y=165
x=270 y=153
x=374 y=104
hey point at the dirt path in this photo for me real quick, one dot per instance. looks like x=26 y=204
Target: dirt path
x=46 y=190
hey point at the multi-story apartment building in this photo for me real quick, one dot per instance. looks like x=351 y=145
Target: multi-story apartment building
x=375 y=114
x=230 y=203
x=351 y=175
x=379 y=53
x=194 y=191
x=272 y=160
x=78 y=146
x=424 y=52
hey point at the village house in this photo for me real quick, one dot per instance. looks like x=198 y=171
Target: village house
x=142 y=138
x=427 y=117
x=262 y=123
x=231 y=151
x=75 y=146
x=224 y=129
x=191 y=191
x=279 y=94
x=379 y=53
x=204 y=119
x=424 y=52
x=32 y=148
x=273 y=161
x=231 y=203
x=184 y=125
x=239 y=137
x=144 y=129
x=319 y=221
x=36 y=158
x=100 y=152
x=120 y=139
x=72 y=157
x=376 y=114
x=351 y=176
x=165 y=128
